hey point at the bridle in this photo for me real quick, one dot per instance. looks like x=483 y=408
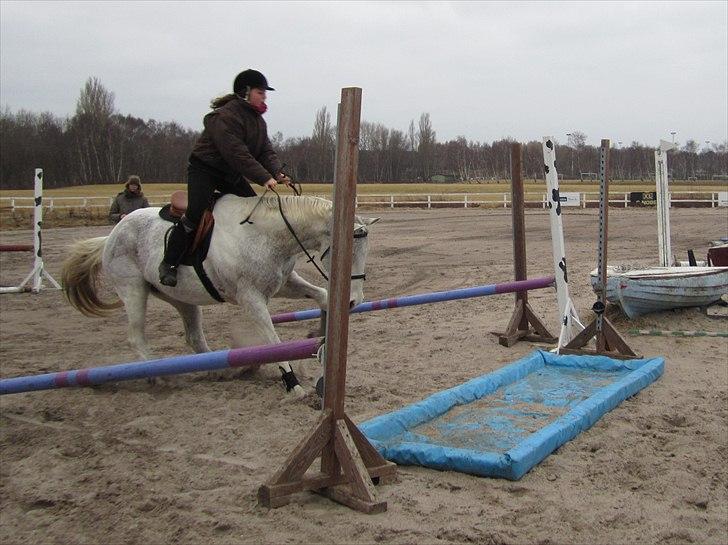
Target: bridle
x=361 y=232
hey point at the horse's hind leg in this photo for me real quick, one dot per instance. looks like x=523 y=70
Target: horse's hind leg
x=192 y=319
x=134 y=296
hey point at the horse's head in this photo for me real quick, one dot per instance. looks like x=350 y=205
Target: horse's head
x=358 y=258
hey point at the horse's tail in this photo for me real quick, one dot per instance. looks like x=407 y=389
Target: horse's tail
x=80 y=275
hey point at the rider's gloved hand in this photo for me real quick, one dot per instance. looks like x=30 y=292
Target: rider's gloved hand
x=284 y=179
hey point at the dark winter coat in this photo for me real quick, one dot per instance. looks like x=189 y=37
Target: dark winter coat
x=125 y=203
x=235 y=142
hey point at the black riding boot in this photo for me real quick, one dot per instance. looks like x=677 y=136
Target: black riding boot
x=174 y=251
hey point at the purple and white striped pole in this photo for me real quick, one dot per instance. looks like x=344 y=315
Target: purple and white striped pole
x=209 y=361
x=426 y=298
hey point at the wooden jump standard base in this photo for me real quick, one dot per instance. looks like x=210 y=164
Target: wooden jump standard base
x=362 y=466
x=349 y=463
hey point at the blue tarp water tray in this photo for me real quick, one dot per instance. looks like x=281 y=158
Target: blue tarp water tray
x=504 y=423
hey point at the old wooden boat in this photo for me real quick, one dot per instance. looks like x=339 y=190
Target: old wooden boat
x=644 y=290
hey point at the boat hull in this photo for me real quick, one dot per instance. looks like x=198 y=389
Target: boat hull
x=643 y=291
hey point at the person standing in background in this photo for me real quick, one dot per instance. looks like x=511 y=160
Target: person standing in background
x=128 y=200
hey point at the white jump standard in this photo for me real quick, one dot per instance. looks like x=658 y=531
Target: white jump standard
x=568 y=317
x=38 y=271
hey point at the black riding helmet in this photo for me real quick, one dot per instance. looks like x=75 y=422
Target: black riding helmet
x=250 y=79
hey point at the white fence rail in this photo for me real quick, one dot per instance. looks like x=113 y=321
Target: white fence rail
x=503 y=200
x=459 y=200
x=51 y=203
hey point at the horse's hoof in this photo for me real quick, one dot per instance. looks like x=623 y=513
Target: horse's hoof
x=295 y=395
x=320 y=387
x=299 y=392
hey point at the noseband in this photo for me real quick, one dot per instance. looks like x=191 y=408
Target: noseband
x=359 y=233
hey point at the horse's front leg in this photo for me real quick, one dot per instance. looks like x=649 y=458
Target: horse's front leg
x=298 y=288
x=256 y=328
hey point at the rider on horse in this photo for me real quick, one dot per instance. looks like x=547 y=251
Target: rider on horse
x=233 y=150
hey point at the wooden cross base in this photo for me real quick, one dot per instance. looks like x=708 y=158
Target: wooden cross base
x=341 y=446
x=519 y=327
x=608 y=342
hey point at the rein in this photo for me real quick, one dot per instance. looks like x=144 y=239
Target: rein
x=360 y=233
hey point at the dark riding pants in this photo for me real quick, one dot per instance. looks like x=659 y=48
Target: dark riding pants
x=202 y=183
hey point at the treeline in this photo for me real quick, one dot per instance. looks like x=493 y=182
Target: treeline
x=99 y=145
x=390 y=155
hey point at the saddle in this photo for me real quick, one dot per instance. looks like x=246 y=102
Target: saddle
x=197 y=252
x=173 y=213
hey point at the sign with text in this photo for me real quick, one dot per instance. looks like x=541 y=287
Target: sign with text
x=642 y=198
x=570 y=198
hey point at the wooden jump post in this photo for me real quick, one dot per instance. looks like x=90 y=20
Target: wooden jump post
x=38 y=271
x=524 y=324
x=348 y=461
x=608 y=340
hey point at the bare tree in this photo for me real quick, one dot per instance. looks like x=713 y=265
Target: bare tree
x=323 y=143
x=91 y=127
x=427 y=140
x=577 y=139
x=412 y=141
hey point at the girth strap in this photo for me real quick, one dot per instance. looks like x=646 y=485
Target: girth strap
x=209 y=286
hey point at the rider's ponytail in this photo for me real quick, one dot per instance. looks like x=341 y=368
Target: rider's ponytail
x=218 y=102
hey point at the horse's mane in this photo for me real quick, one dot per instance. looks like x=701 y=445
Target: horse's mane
x=296 y=209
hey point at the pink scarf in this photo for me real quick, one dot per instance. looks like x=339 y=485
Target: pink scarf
x=260 y=109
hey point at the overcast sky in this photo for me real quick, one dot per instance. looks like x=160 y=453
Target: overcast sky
x=485 y=70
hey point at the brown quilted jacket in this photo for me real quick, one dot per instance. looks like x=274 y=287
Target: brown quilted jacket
x=235 y=141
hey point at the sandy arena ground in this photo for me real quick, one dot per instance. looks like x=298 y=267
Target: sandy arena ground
x=180 y=462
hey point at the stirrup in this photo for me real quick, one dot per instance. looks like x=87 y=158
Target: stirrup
x=167 y=274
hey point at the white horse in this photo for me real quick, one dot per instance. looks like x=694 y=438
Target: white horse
x=248 y=263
